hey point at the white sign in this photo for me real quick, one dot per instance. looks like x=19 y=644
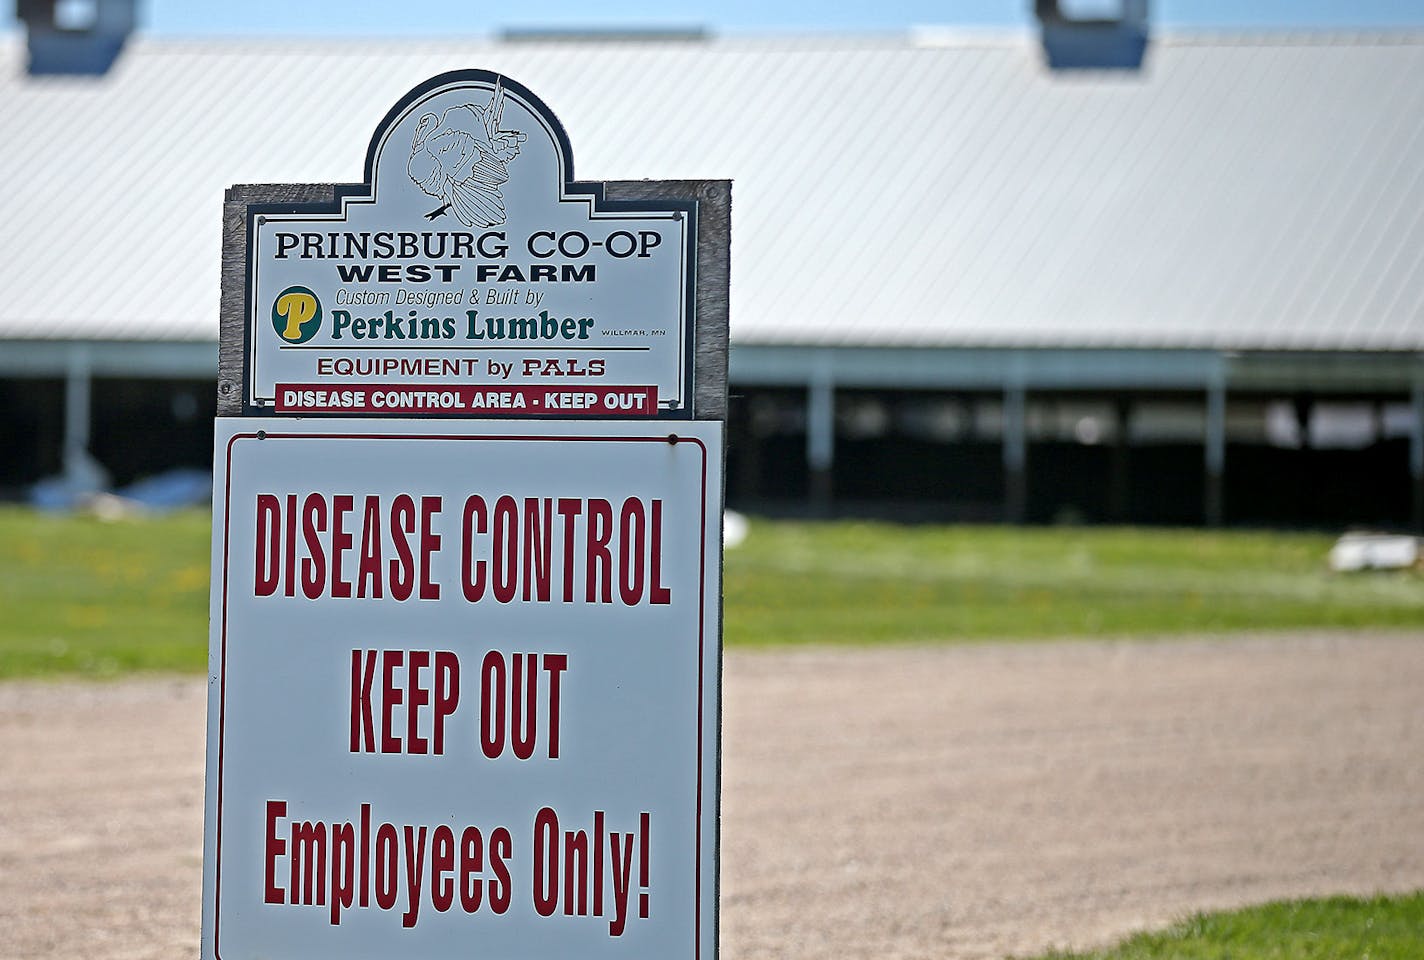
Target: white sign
x=463 y=689
x=470 y=275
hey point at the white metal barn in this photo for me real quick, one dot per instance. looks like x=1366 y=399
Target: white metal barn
x=963 y=284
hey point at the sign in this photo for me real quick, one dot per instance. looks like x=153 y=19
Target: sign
x=470 y=275
x=464 y=689
x=465 y=643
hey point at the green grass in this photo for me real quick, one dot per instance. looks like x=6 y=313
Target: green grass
x=869 y=583
x=78 y=596
x=1338 y=928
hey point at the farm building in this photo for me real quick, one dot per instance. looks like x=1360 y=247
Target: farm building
x=964 y=284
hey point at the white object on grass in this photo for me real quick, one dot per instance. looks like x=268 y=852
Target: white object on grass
x=1373 y=551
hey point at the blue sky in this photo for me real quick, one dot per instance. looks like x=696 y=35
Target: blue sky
x=464 y=17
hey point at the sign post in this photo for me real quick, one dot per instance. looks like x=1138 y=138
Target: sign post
x=465 y=646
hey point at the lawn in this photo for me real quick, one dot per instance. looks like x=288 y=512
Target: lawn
x=80 y=596
x=1338 y=928
x=868 y=583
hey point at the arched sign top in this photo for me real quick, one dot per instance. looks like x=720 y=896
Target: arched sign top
x=470 y=275
x=487 y=91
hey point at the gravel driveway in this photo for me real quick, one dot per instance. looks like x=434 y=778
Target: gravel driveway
x=966 y=802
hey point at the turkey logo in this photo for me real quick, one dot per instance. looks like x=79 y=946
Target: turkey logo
x=461 y=158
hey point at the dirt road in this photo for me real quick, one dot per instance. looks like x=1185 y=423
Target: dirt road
x=954 y=803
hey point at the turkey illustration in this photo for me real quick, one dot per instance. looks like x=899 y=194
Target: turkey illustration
x=461 y=158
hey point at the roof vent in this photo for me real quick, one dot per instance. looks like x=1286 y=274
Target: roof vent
x=75 y=37
x=1093 y=34
x=604 y=34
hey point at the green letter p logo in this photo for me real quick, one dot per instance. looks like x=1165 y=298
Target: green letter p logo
x=296 y=314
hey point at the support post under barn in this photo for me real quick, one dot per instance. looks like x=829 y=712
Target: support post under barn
x=1015 y=454
x=1120 y=481
x=1215 y=450
x=821 y=433
x=1416 y=452
x=81 y=471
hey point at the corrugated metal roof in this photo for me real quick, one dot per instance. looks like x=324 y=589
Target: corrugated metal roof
x=1239 y=193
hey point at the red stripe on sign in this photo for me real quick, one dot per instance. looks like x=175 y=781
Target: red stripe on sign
x=466 y=399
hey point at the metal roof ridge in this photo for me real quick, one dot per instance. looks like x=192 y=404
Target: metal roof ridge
x=1296 y=37
x=498 y=39
x=917 y=37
